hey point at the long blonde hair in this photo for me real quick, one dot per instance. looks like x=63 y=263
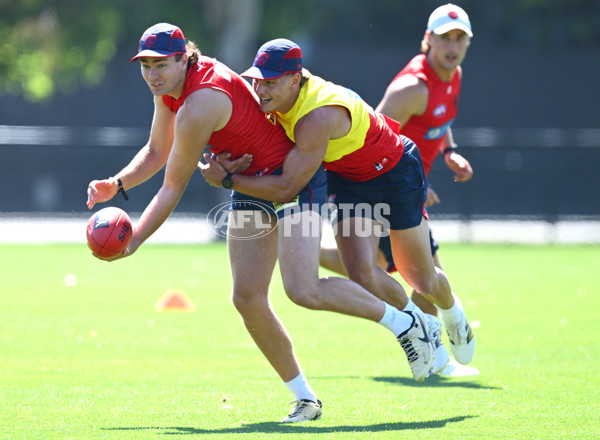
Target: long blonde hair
x=425 y=42
x=192 y=51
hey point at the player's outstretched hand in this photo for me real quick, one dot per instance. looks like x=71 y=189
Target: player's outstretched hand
x=99 y=191
x=460 y=167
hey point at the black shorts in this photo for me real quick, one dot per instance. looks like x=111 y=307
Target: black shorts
x=396 y=198
x=312 y=197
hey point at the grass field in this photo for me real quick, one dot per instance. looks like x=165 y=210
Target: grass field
x=84 y=355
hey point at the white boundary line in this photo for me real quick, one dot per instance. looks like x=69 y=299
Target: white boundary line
x=27 y=228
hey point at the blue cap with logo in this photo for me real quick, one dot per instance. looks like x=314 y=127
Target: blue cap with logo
x=274 y=59
x=161 y=40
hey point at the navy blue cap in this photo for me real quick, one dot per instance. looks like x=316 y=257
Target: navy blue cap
x=274 y=59
x=161 y=40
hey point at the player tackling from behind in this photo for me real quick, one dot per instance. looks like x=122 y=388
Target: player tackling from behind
x=198 y=102
x=369 y=166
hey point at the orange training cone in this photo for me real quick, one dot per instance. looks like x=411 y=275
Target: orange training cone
x=174 y=300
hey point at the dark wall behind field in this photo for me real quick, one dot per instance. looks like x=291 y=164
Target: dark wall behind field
x=504 y=91
x=548 y=182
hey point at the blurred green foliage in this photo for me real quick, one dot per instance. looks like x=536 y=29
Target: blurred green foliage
x=58 y=46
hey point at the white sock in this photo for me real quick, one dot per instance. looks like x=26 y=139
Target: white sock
x=454 y=313
x=396 y=321
x=300 y=388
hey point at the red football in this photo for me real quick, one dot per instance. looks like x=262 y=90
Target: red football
x=108 y=232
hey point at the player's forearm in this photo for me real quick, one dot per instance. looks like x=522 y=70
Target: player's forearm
x=157 y=212
x=449 y=145
x=145 y=164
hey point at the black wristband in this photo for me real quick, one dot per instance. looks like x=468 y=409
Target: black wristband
x=450 y=149
x=122 y=190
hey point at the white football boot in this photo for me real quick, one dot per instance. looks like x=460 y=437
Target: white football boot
x=416 y=343
x=440 y=353
x=303 y=411
x=454 y=369
x=462 y=341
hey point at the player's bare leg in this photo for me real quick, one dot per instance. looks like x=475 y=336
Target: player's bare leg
x=253 y=253
x=299 y=245
x=298 y=259
x=422 y=302
x=330 y=259
x=358 y=253
x=412 y=257
x=252 y=265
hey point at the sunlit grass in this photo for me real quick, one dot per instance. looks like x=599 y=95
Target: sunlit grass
x=84 y=355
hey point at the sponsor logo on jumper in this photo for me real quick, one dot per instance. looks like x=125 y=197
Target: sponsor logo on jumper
x=379 y=165
x=438 y=132
x=439 y=111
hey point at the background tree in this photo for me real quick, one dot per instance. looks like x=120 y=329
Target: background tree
x=58 y=46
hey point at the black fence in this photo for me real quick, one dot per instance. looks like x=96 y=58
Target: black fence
x=543 y=174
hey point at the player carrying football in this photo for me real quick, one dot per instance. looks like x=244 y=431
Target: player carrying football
x=198 y=102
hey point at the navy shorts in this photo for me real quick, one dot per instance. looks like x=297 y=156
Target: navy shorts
x=397 y=196
x=385 y=246
x=312 y=197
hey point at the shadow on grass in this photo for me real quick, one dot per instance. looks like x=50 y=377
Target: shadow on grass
x=435 y=381
x=282 y=428
x=432 y=381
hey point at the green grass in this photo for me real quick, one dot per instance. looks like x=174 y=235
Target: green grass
x=94 y=360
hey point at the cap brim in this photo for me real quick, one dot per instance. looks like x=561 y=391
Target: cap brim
x=256 y=73
x=155 y=54
x=450 y=26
